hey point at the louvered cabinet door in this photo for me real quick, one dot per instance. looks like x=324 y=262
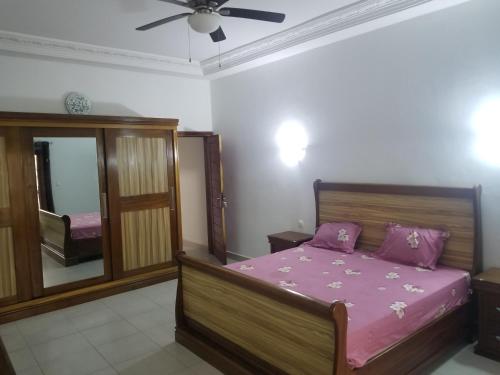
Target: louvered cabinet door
x=14 y=286
x=142 y=201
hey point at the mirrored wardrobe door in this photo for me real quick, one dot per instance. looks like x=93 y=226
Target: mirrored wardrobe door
x=142 y=200
x=70 y=205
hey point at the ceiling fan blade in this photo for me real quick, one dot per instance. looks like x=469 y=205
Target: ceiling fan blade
x=176 y=2
x=253 y=14
x=220 y=3
x=218 y=35
x=162 y=21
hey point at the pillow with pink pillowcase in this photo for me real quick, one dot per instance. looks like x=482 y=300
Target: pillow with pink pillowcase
x=413 y=246
x=336 y=236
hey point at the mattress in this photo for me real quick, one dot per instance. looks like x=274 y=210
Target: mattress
x=385 y=301
x=85 y=226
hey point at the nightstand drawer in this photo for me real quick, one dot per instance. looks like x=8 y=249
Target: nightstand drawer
x=491 y=305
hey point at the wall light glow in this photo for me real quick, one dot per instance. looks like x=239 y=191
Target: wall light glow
x=486 y=122
x=292 y=141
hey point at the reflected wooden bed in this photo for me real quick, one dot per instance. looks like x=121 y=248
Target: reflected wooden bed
x=245 y=326
x=56 y=240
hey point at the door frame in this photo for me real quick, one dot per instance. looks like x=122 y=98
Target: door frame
x=204 y=135
x=32 y=207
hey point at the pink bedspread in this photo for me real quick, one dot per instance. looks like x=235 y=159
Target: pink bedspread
x=85 y=226
x=385 y=301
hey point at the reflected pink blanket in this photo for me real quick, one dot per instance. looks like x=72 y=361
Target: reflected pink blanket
x=385 y=301
x=85 y=226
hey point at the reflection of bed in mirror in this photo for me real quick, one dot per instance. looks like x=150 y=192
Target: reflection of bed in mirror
x=71 y=239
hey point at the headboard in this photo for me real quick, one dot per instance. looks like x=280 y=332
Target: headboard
x=458 y=210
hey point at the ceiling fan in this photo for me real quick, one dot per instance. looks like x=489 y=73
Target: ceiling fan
x=206 y=16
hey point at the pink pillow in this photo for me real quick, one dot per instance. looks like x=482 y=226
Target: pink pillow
x=412 y=245
x=336 y=236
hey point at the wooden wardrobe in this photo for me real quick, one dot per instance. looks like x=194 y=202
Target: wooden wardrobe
x=139 y=201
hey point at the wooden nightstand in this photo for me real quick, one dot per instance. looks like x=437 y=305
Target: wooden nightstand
x=487 y=287
x=287 y=240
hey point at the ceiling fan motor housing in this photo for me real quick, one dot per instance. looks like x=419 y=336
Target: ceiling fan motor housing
x=204 y=20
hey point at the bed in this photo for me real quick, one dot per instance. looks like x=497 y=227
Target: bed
x=71 y=239
x=244 y=324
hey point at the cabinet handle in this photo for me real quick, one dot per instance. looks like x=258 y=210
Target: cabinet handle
x=172 y=198
x=498 y=309
x=104 y=203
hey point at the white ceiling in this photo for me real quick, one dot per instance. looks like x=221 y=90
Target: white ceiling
x=112 y=23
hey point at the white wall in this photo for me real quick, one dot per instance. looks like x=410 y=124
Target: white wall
x=74 y=176
x=40 y=85
x=391 y=106
x=193 y=190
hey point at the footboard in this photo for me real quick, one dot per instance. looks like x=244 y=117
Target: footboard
x=255 y=326
x=56 y=236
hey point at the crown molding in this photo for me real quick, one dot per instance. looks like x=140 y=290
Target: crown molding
x=66 y=50
x=354 y=19
x=340 y=19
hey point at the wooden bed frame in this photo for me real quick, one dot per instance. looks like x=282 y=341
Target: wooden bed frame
x=56 y=241
x=245 y=326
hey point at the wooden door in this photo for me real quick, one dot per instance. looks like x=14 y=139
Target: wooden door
x=14 y=277
x=216 y=202
x=142 y=200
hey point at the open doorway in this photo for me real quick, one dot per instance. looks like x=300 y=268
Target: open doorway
x=202 y=198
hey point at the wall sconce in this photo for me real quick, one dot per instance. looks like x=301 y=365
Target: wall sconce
x=292 y=141
x=486 y=123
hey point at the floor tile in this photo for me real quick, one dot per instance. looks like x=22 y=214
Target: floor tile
x=13 y=341
x=163 y=334
x=61 y=347
x=84 y=362
x=22 y=360
x=127 y=348
x=8 y=328
x=106 y=371
x=152 y=318
x=42 y=328
x=129 y=304
x=83 y=308
x=157 y=363
x=109 y=332
x=184 y=355
x=170 y=310
x=466 y=362
x=31 y=371
x=205 y=369
x=95 y=318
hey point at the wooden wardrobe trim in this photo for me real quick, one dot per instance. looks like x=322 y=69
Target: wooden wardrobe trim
x=123 y=204
x=49 y=120
x=175 y=148
x=194 y=134
x=17 y=213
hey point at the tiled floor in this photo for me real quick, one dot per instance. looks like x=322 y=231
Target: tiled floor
x=129 y=333
x=133 y=333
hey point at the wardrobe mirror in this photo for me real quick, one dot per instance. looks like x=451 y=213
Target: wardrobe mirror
x=69 y=205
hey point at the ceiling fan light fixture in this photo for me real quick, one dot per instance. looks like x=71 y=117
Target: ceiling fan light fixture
x=204 y=23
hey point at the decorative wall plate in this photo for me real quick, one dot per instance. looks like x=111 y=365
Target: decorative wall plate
x=77 y=104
